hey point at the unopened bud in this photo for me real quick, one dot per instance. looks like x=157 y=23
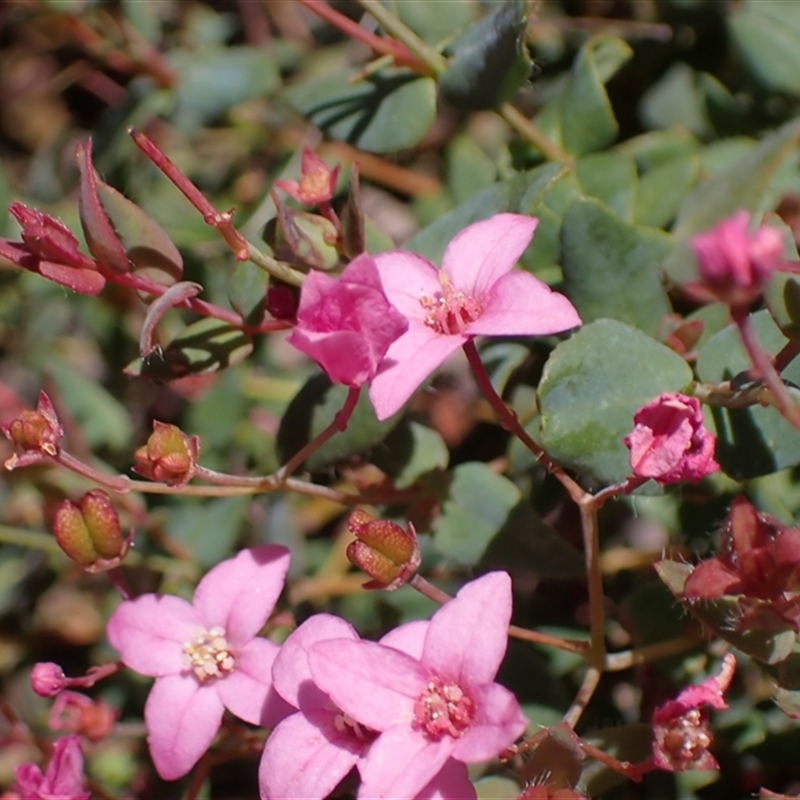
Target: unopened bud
x=47 y=679
x=46 y=237
x=35 y=434
x=170 y=456
x=76 y=713
x=317 y=182
x=282 y=301
x=89 y=532
x=385 y=551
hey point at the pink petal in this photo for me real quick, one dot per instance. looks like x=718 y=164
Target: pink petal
x=240 y=593
x=305 y=757
x=377 y=686
x=408 y=362
x=406 y=279
x=247 y=691
x=497 y=724
x=485 y=251
x=408 y=638
x=401 y=763
x=521 y=305
x=458 y=649
x=182 y=719
x=450 y=783
x=291 y=674
x=150 y=632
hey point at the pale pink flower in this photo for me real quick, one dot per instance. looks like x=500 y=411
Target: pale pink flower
x=669 y=442
x=734 y=264
x=682 y=737
x=347 y=325
x=477 y=292
x=205 y=655
x=317 y=182
x=433 y=705
x=311 y=751
x=63 y=778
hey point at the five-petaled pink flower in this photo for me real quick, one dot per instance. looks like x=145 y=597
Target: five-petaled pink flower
x=311 y=751
x=429 y=707
x=205 y=655
x=63 y=778
x=734 y=264
x=669 y=442
x=317 y=182
x=682 y=737
x=477 y=292
x=347 y=325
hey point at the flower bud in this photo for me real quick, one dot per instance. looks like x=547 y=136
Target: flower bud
x=317 y=182
x=170 y=456
x=48 y=238
x=35 y=434
x=386 y=552
x=735 y=264
x=47 y=679
x=76 y=713
x=89 y=532
x=282 y=302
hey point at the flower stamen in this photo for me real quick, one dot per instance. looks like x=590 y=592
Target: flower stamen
x=209 y=655
x=451 y=311
x=443 y=709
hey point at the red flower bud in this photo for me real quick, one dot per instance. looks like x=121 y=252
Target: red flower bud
x=170 y=456
x=47 y=679
x=386 y=552
x=89 y=532
x=35 y=434
x=77 y=713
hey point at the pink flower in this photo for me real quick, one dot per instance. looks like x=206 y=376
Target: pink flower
x=347 y=326
x=317 y=182
x=429 y=706
x=311 y=751
x=63 y=778
x=477 y=292
x=682 y=737
x=205 y=655
x=734 y=264
x=47 y=679
x=669 y=442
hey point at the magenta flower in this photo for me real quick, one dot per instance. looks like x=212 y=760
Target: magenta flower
x=734 y=264
x=311 y=751
x=669 y=442
x=429 y=706
x=63 y=778
x=476 y=293
x=682 y=737
x=205 y=655
x=347 y=326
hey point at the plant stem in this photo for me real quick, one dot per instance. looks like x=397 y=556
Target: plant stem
x=617 y=662
x=585 y=693
x=338 y=425
x=528 y=131
x=116 y=483
x=591 y=547
x=510 y=422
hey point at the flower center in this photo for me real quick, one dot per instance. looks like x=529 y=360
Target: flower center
x=443 y=709
x=344 y=723
x=686 y=739
x=451 y=311
x=314 y=185
x=209 y=655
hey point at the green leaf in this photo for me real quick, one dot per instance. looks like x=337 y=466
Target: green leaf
x=390 y=110
x=213 y=79
x=767 y=34
x=489 y=61
x=750 y=441
x=610 y=267
x=591 y=386
x=663 y=189
x=247 y=291
x=769 y=646
x=518 y=194
x=314 y=408
x=479 y=502
x=410 y=451
x=611 y=178
x=584 y=114
x=675 y=100
x=209 y=531
x=469 y=169
x=782 y=294
x=434 y=22
x=102 y=419
x=200 y=349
